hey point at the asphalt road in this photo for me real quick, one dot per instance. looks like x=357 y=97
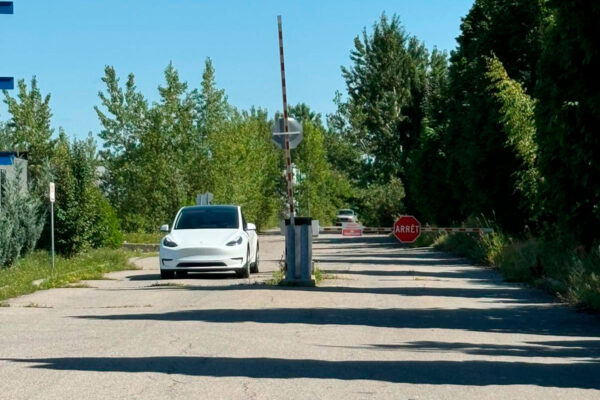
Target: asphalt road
x=395 y=323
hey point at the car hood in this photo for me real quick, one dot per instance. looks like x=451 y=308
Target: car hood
x=203 y=237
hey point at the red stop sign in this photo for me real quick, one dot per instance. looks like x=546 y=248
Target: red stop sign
x=407 y=229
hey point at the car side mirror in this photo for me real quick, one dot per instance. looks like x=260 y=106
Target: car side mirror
x=164 y=228
x=251 y=227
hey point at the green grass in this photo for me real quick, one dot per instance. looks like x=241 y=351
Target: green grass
x=18 y=279
x=278 y=278
x=143 y=238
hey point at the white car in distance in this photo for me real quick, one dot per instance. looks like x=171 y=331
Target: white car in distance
x=209 y=239
x=345 y=215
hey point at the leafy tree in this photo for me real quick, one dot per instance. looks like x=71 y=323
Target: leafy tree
x=381 y=204
x=213 y=109
x=83 y=218
x=319 y=192
x=153 y=154
x=568 y=116
x=481 y=168
x=123 y=126
x=342 y=153
x=429 y=193
x=386 y=85
x=245 y=166
x=517 y=115
x=303 y=113
x=28 y=129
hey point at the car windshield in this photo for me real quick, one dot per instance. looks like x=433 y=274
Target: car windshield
x=208 y=218
x=346 y=212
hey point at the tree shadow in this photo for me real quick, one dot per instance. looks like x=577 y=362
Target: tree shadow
x=539 y=320
x=471 y=373
x=582 y=349
x=470 y=274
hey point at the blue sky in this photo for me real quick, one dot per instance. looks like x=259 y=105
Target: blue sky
x=67 y=43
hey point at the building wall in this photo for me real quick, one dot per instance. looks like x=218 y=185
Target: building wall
x=19 y=167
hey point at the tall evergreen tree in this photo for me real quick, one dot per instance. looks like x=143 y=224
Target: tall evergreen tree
x=213 y=108
x=28 y=129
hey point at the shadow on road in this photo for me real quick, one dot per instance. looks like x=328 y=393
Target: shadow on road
x=579 y=349
x=498 y=294
x=539 y=320
x=190 y=275
x=475 y=373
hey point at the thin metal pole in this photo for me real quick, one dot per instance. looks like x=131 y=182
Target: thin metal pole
x=52 y=231
x=291 y=272
x=288 y=153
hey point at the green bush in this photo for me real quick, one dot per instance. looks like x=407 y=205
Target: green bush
x=106 y=230
x=21 y=222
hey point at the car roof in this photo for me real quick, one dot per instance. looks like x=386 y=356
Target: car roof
x=211 y=207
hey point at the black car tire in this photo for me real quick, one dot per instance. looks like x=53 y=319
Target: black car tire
x=254 y=268
x=245 y=272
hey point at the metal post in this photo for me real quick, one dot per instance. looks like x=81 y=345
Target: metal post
x=52 y=197
x=288 y=155
x=52 y=231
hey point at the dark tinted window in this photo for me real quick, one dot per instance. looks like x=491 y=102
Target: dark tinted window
x=208 y=218
x=346 y=212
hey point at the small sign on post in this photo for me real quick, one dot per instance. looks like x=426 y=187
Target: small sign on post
x=52 y=199
x=204 y=199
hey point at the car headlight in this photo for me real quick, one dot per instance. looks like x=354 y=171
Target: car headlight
x=169 y=243
x=235 y=242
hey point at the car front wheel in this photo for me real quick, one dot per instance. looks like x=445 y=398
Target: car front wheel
x=245 y=271
x=254 y=268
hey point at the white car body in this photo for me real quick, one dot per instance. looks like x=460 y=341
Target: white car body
x=210 y=248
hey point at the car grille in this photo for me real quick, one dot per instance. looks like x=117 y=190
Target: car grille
x=201 y=264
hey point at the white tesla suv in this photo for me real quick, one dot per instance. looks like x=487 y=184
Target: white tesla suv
x=207 y=239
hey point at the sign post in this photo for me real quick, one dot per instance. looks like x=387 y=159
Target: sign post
x=52 y=198
x=407 y=229
x=204 y=199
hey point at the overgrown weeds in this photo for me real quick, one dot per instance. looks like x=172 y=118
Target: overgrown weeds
x=93 y=264
x=553 y=265
x=143 y=238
